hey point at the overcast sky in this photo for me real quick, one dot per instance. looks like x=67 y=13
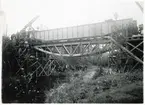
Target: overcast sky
x=63 y=13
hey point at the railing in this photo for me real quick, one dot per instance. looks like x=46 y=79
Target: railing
x=98 y=29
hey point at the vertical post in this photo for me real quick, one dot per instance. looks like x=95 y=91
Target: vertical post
x=48 y=34
x=108 y=59
x=81 y=47
x=36 y=73
x=126 y=33
x=108 y=27
x=52 y=34
x=44 y=35
x=40 y=34
x=77 y=32
x=101 y=29
x=83 y=31
x=72 y=32
x=108 y=56
x=71 y=49
x=36 y=54
x=57 y=33
x=67 y=33
x=95 y=30
x=62 y=33
x=89 y=30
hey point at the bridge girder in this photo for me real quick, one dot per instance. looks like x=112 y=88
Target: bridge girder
x=77 y=48
x=86 y=47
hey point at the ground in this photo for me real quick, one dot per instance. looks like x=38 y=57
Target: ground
x=99 y=85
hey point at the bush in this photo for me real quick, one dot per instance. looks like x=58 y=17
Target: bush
x=114 y=88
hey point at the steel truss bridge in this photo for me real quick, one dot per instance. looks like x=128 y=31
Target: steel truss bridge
x=124 y=51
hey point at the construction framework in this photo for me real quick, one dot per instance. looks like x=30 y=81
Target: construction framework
x=124 y=52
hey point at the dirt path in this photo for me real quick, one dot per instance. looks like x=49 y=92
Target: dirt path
x=90 y=74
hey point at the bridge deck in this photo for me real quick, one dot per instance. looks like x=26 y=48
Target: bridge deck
x=89 y=30
x=93 y=39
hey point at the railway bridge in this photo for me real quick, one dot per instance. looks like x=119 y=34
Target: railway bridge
x=119 y=40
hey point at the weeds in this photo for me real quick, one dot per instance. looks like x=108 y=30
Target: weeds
x=111 y=88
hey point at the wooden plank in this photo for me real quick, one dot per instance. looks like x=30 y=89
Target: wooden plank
x=76 y=48
x=66 y=49
x=87 y=46
x=43 y=70
x=74 y=43
x=130 y=53
x=33 y=64
x=96 y=46
x=57 y=49
x=76 y=39
x=135 y=47
x=51 y=53
x=68 y=55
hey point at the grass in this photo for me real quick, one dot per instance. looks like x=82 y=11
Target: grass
x=113 y=88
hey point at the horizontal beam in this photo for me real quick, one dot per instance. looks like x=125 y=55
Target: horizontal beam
x=75 y=43
x=130 y=53
x=82 y=39
x=135 y=47
x=72 y=55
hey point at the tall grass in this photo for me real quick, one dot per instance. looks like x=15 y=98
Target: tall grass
x=108 y=88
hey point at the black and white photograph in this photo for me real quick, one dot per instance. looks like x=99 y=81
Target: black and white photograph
x=72 y=51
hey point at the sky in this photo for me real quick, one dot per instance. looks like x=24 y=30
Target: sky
x=64 y=13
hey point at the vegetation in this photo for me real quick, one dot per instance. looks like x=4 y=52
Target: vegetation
x=102 y=88
x=69 y=85
x=18 y=78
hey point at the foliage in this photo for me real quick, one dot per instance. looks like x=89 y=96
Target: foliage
x=112 y=88
x=18 y=79
x=18 y=74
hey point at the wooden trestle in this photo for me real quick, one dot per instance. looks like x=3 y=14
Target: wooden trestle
x=124 y=52
x=99 y=45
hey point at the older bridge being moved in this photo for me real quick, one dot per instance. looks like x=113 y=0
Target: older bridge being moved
x=119 y=39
